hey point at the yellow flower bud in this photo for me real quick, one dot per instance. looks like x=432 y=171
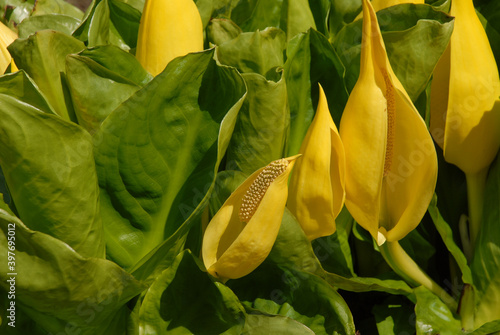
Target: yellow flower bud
x=7 y=36
x=391 y=163
x=168 y=29
x=242 y=233
x=317 y=193
x=465 y=108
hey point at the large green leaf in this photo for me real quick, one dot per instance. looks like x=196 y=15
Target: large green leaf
x=49 y=168
x=43 y=7
x=63 y=23
x=261 y=130
x=260 y=52
x=292 y=16
x=311 y=60
x=99 y=80
x=433 y=316
x=259 y=324
x=61 y=290
x=43 y=57
x=341 y=13
x=415 y=36
x=161 y=148
x=296 y=294
x=184 y=300
x=485 y=265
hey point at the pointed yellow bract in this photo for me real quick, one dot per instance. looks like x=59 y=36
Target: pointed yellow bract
x=168 y=29
x=241 y=234
x=7 y=36
x=381 y=4
x=465 y=107
x=391 y=163
x=317 y=191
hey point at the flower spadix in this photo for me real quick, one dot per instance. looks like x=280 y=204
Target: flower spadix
x=391 y=163
x=465 y=107
x=317 y=190
x=7 y=36
x=241 y=234
x=168 y=29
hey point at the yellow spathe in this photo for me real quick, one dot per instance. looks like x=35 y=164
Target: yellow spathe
x=7 y=36
x=465 y=108
x=317 y=192
x=168 y=29
x=391 y=163
x=241 y=234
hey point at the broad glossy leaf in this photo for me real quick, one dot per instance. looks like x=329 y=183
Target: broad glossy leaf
x=20 y=86
x=433 y=316
x=60 y=289
x=15 y=11
x=49 y=169
x=222 y=30
x=261 y=130
x=161 y=148
x=110 y=22
x=184 y=300
x=296 y=294
x=63 y=23
x=342 y=12
x=259 y=324
x=408 y=30
x=485 y=264
x=43 y=57
x=488 y=328
x=260 y=52
x=99 y=80
x=43 y=7
x=311 y=60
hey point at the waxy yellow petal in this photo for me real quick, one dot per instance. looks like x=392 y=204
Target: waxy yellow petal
x=168 y=29
x=232 y=248
x=317 y=190
x=7 y=36
x=465 y=106
x=391 y=164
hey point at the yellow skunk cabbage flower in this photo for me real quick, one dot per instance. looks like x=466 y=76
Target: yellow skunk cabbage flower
x=381 y=4
x=241 y=234
x=317 y=190
x=391 y=163
x=168 y=29
x=465 y=108
x=7 y=36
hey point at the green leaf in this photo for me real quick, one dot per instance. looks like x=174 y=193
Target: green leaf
x=49 y=169
x=222 y=30
x=43 y=57
x=341 y=13
x=43 y=7
x=296 y=294
x=485 y=264
x=261 y=130
x=110 y=22
x=184 y=300
x=433 y=316
x=62 y=23
x=20 y=86
x=259 y=324
x=415 y=37
x=160 y=149
x=61 y=290
x=311 y=60
x=260 y=52
x=488 y=328
x=99 y=80
x=394 y=318
x=447 y=235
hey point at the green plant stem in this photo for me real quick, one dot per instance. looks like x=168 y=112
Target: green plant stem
x=405 y=266
x=475 y=195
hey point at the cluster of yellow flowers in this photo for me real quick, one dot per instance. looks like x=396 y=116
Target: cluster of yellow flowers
x=382 y=163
